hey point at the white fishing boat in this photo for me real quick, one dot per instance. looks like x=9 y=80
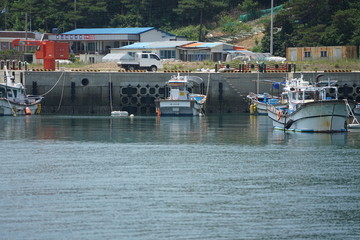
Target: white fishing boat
x=180 y=101
x=357 y=109
x=310 y=108
x=13 y=98
x=354 y=121
x=259 y=103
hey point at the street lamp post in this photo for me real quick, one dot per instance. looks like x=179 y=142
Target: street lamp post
x=271 y=28
x=75 y=12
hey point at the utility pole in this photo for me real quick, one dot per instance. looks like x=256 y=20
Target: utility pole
x=4 y=11
x=26 y=29
x=75 y=12
x=201 y=25
x=271 y=28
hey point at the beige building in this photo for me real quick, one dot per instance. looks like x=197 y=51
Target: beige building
x=326 y=52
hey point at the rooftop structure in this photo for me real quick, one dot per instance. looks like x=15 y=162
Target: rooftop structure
x=180 y=50
x=101 y=40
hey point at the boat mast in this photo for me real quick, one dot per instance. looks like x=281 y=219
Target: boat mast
x=271 y=28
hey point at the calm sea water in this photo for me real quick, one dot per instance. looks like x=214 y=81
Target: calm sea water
x=216 y=177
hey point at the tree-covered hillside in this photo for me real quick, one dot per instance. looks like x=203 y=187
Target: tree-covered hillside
x=300 y=23
x=44 y=15
x=315 y=23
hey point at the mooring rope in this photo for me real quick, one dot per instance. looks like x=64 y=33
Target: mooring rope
x=62 y=94
x=54 y=85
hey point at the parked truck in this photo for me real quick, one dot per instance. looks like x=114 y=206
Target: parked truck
x=144 y=61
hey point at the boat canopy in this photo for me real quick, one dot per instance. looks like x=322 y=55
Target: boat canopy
x=184 y=80
x=195 y=79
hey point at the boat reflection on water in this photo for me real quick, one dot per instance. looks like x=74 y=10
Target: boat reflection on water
x=261 y=127
x=298 y=139
x=181 y=129
x=214 y=129
x=171 y=129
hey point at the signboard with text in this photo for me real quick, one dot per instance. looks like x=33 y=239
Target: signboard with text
x=75 y=37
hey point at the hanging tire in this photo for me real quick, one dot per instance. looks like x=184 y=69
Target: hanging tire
x=131 y=68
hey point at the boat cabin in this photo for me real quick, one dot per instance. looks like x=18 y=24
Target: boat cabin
x=178 y=90
x=12 y=93
x=300 y=91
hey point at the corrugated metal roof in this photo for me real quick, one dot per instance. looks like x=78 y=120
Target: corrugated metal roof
x=201 y=45
x=169 y=44
x=160 y=44
x=137 y=45
x=110 y=30
x=193 y=44
x=210 y=45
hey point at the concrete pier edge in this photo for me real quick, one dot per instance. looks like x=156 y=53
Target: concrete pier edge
x=135 y=92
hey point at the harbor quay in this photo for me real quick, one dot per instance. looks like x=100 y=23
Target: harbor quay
x=99 y=93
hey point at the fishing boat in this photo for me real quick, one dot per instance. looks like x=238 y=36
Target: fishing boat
x=259 y=103
x=357 y=109
x=353 y=121
x=310 y=108
x=180 y=101
x=13 y=98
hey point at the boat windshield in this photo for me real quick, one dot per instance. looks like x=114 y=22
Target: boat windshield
x=9 y=93
x=2 y=92
x=311 y=95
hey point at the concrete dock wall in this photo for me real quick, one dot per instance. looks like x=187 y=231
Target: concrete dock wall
x=101 y=92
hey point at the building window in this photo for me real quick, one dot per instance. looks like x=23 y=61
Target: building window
x=167 y=54
x=91 y=47
x=198 y=56
x=323 y=54
x=307 y=54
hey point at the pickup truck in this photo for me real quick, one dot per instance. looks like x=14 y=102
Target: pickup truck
x=145 y=61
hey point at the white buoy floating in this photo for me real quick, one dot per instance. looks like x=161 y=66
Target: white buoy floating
x=119 y=114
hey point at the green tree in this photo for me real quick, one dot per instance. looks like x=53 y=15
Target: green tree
x=91 y=13
x=202 y=9
x=321 y=22
x=191 y=32
x=250 y=7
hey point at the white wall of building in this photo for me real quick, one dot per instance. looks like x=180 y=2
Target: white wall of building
x=154 y=36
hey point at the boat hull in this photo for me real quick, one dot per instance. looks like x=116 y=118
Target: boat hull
x=177 y=107
x=9 y=108
x=357 y=110
x=261 y=108
x=321 y=116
